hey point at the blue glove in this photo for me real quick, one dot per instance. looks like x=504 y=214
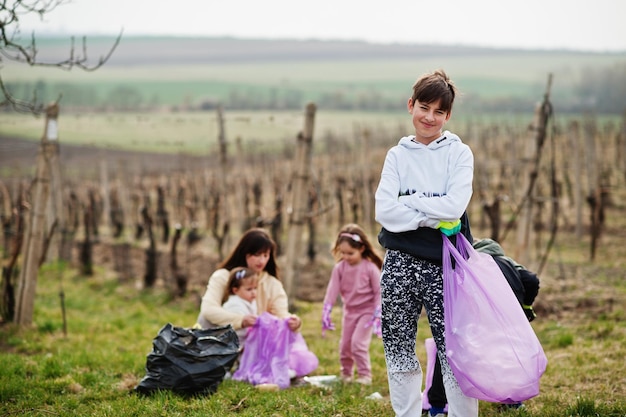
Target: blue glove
x=327 y=323
x=450 y=228
x=375 y=324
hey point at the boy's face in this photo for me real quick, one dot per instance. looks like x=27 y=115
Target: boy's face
x=428 y=120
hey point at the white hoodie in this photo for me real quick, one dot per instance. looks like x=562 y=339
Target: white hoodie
x=421 y=185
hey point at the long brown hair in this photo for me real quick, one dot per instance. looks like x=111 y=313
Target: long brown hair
x=356 y=238
x=253 y=241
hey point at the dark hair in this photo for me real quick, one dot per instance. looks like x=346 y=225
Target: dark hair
x=356 y=238
x=237 y=277
x=435 y=86
x=254 y=241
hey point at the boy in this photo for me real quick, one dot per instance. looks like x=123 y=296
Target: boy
x=424 y=190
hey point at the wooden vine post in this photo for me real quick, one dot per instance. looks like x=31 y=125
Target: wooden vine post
x=368 y=197
x=574 y=135
x=35 y=231
x=56 y=221
x=595 y=197
x=105 y=190
x=533 y=152
x=299 y=200
x=221 y=226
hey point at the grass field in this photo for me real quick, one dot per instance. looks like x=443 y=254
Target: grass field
x=258 y=131
x=389 y=81
x=93 y=370
x=196 y=133
x=174 y=72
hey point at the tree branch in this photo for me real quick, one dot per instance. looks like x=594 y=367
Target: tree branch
x=13 y=50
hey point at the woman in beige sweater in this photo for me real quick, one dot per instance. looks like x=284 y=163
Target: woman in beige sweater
x=255 y=250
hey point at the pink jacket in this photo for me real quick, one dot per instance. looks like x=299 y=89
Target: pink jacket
x=358 y=285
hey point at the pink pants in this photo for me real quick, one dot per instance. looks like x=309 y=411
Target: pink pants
x=354 y=347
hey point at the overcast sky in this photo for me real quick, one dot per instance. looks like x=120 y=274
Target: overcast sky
x=596 y=25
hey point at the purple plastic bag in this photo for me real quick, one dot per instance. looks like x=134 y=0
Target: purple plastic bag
x=301 y=360
x=431 y=358
x=272 y=349
x=431 y=352
x=490 y=345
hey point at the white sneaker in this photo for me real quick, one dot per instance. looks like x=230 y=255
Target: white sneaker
x=364 y=380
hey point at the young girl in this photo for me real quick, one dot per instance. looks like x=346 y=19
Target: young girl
x=424 y=189
x=356 y=278
x=240 y=295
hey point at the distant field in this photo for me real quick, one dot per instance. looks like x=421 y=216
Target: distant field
x=174 y=71
x=258 y=131
x=485 y=77
x=196 y=132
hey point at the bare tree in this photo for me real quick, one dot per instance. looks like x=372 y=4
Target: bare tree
x=14 y=48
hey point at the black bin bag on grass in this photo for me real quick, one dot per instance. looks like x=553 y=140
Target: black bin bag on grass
x=189 y=361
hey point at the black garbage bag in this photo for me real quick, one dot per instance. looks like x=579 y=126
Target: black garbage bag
x=189 y=361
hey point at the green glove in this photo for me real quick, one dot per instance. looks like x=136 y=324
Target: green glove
x=450 y=228
x=530 y=313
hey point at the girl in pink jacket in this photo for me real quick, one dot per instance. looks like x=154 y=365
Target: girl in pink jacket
x=356 y=278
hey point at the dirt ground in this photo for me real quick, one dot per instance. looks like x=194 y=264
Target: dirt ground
x=16 y=155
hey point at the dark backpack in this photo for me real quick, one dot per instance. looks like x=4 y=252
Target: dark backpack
x=525 y=284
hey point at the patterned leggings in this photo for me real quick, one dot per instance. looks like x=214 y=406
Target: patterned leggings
x=407 y=285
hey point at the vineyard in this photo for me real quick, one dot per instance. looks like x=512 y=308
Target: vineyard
x=120 y=198
x=158 y=219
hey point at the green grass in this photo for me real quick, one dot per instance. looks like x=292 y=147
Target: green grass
x=93 y=370
x=173 y=80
